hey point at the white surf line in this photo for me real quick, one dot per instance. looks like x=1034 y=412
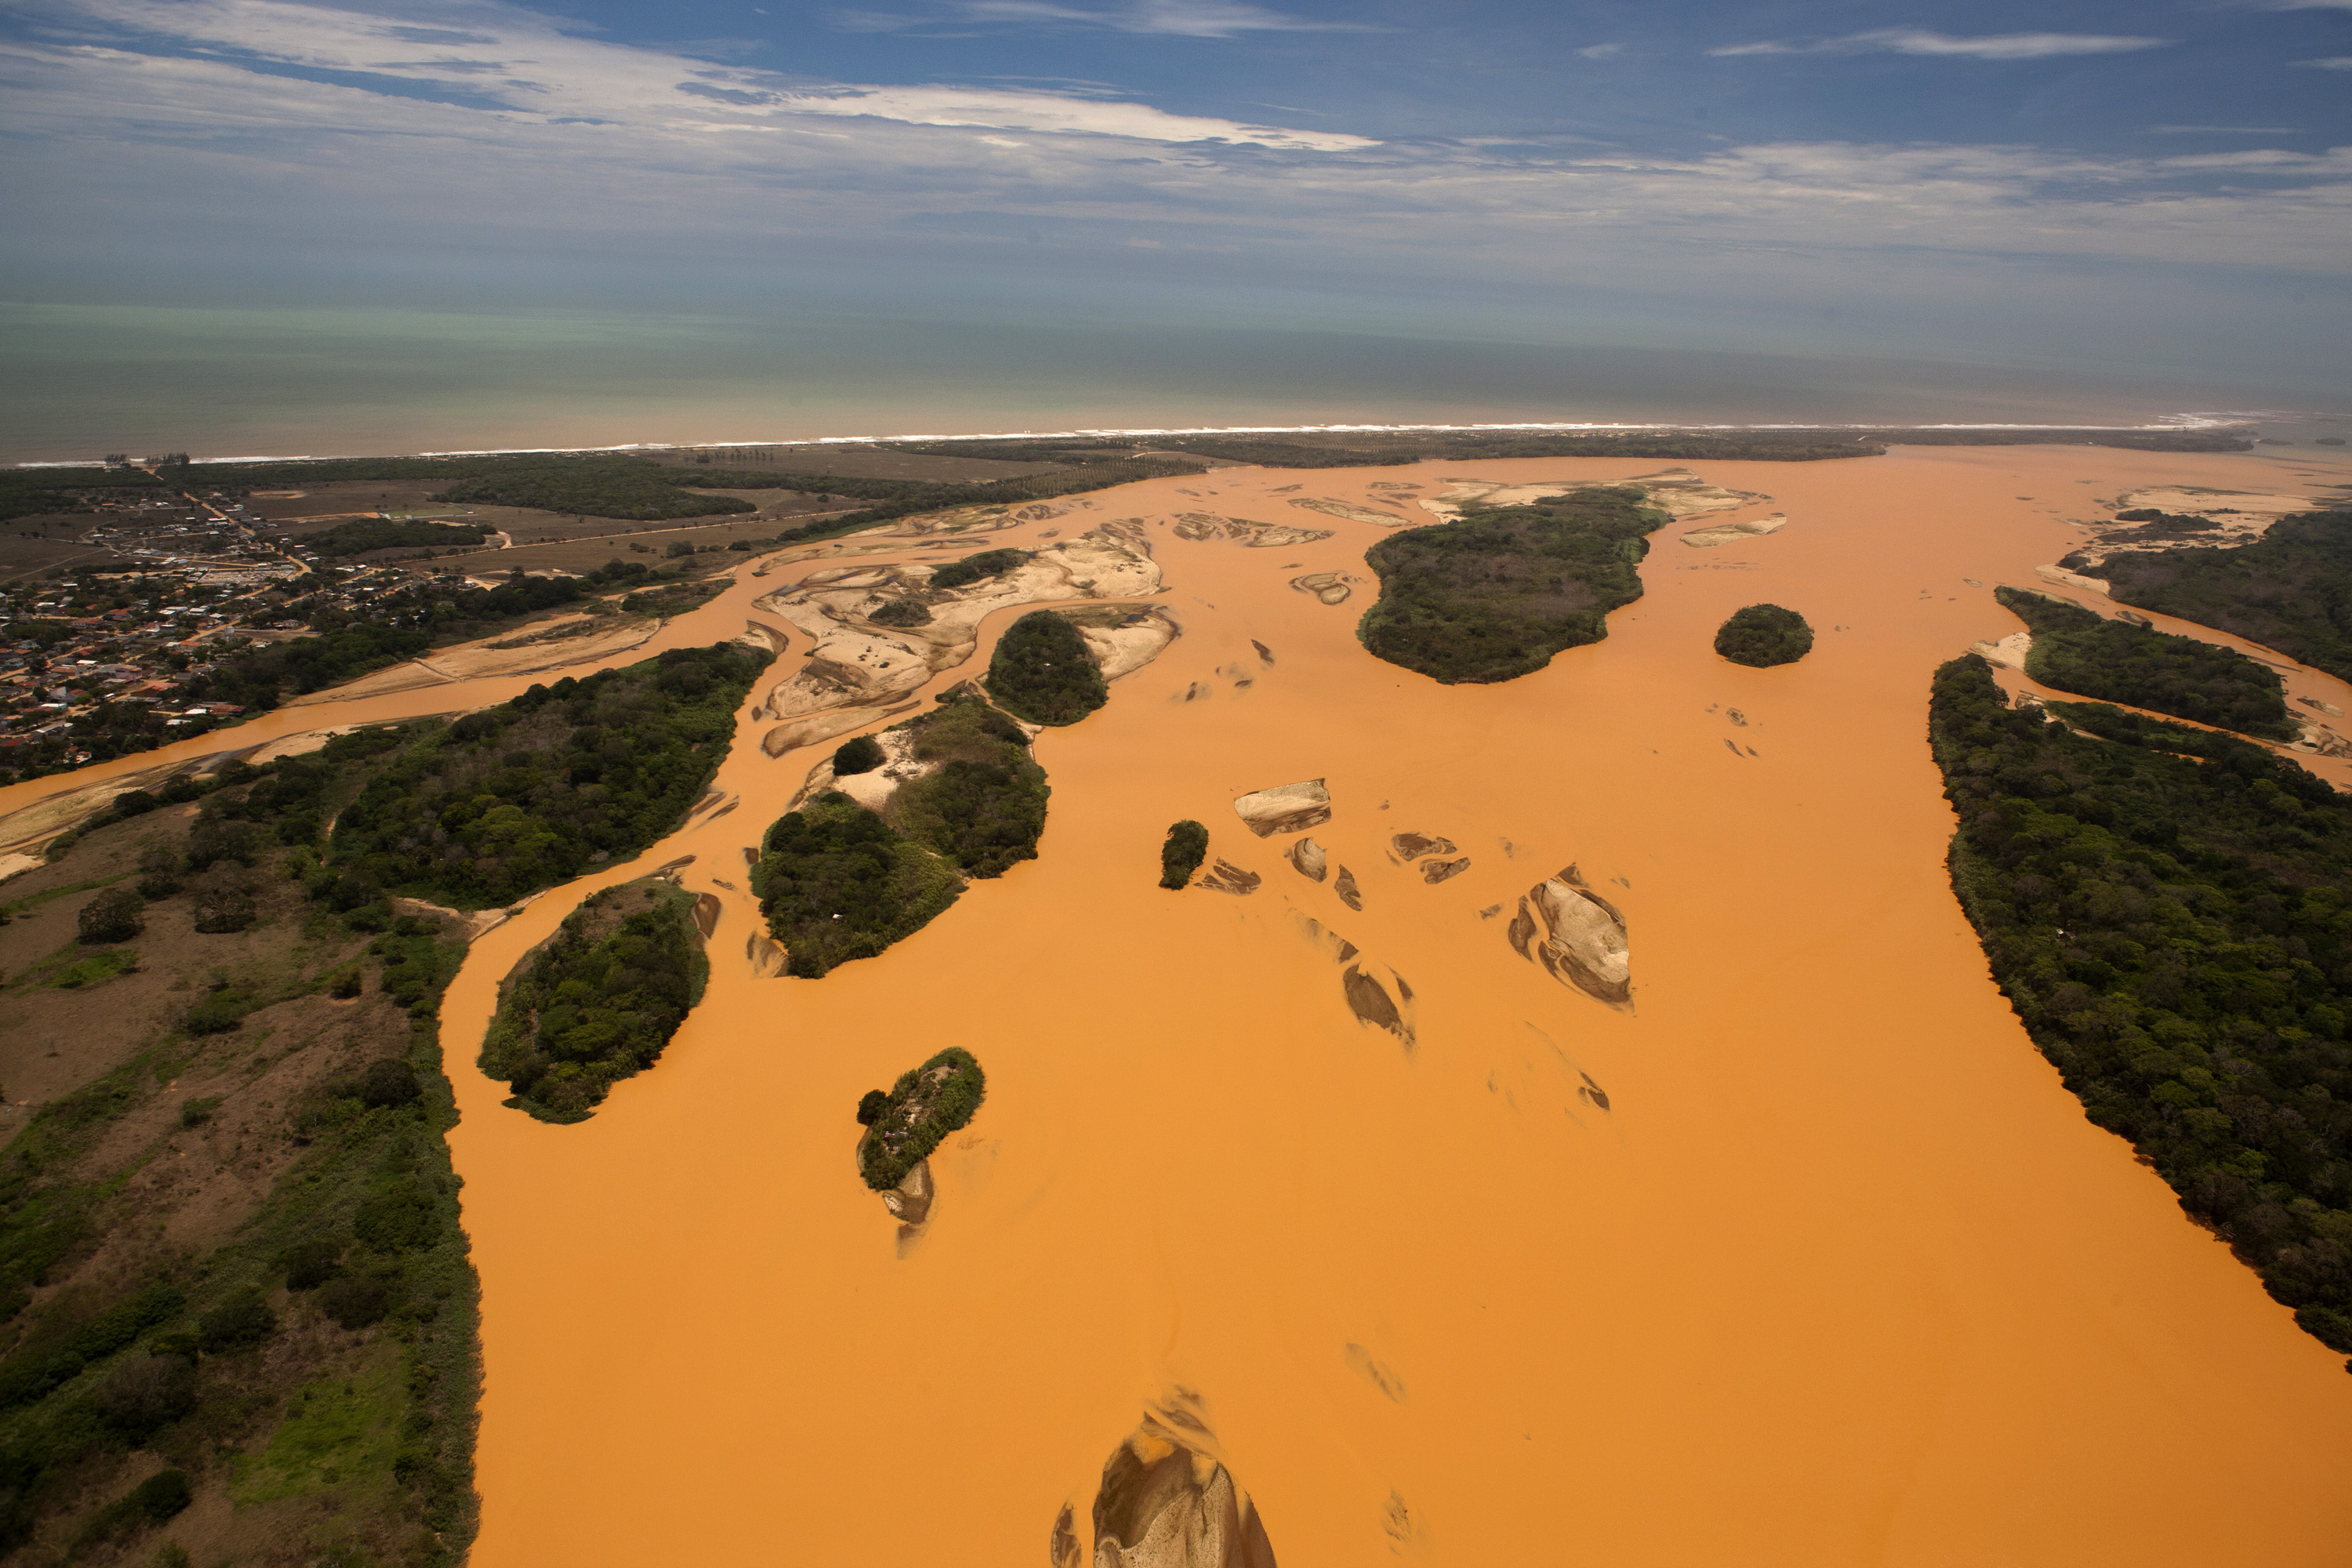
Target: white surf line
x=2166 y=423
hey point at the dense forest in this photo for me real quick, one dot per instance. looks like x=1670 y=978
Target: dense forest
x=598 y=1001
x=538 y=790
x=1042 y=672
x=837 y=883
x=315 y=1357
x=2169 y=911
x=2077 y=651
x=2290 y=590
x=903 y=1126
x=1496 y=592
x=1762 y=636
x=972 y=568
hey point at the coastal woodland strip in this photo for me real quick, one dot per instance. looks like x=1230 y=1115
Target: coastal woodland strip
x=2169 y=911
x=538 y=790
x=1494 y=594
x=837 y=881
x=237 y=1320
x=2078 y=651
x=903 y=1126
x=45 y=493
x=2290 y=590
x=598 y=1001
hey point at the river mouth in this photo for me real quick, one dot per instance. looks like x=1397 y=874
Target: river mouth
x=1801 y=1254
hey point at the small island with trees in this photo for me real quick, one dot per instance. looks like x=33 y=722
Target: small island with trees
x=1043 y=671
x=903 y=1126
x=597 y=1001
x=2077 y=651
x=1187 y=846
x=838 y=881
x=1762 y=636
x=1494 y=594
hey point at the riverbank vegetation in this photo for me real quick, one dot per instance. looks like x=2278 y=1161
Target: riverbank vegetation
x=231 y=1278
x=1042 y=672
x=983 y=804
x=1181 y=855
x=1494 y=594
x=598 y=1001
x=2169 y=911
x=537 y=790
x=1762 y=636
x=2290 y=590
x=921 y=1109
x=2077 y=651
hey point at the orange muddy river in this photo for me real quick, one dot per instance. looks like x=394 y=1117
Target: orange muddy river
x=1840 y=1276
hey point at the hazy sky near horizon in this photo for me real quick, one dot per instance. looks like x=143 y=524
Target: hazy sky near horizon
x=2158 y=185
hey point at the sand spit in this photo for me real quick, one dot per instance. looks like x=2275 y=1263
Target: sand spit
x=1350 y=894
x=2235 y=517
x=1204 y=526
x=485 y=660
x=2008 y=651
x=706 y=910
x=1307 y=858
x=1353 y=512
x=1678 y=493
x=1377 y=995
x=1413 y=846
x=1708 y=538
x=1284 y=808
x=1166 y=1503
x=874 y=788
x=2068 y=579
x=853 y=663
x=1331 y=588
x=1226 y=877
x=1122 y=638
x=1577 y=935
x=910 y=1202
x=458 y=923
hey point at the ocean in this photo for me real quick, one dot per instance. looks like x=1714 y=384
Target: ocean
x=78 y=381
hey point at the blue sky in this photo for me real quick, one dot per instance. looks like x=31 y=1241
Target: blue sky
x=2158 y=182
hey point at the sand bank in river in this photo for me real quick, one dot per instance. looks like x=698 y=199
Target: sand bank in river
x=1810 y=1261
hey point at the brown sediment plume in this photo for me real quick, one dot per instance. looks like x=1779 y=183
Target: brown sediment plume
x=1577 y=935
x=1284 y=808
x=1969 y=1326
x=1204 y=526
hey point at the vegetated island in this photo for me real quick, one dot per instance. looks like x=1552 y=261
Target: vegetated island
x=1762 y=636
x=1181 y=855
x=501 y=803
x=2078 y=651
x=2166 y=909
x=838 y=881
x=1042 y=672
x=2290 y=590
x=597 y=1002
x=921 y=1109
x=1496 y=594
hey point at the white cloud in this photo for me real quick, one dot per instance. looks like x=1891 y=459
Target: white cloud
x=2332 y=63
x=1988 y=47
x=2221 y=131
x=1600 y=51
x=1173 y=19
x=1045 y=111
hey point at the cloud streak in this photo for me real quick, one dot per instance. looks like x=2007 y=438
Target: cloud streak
x=1920 y=41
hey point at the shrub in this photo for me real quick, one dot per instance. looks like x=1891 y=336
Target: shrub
x=1043 y=672
x=902 y=612
x=117 y=914
x=224 y=900
x=870 y=1105
x=345 y=984
x=310 y=1264
x=159 y=874
x=146 y=1392
x=194 y=1113
x=388 y=1082
x=219 y=1013
x=162 y=1496
x=398 y=1221
x=355 y=1300
x=243 y=1320
x=1187 y=846
x=861 y=755
x=1762 y=636
x=972 y=568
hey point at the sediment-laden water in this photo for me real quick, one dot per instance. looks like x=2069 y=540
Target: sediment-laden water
x=1805 y=1256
